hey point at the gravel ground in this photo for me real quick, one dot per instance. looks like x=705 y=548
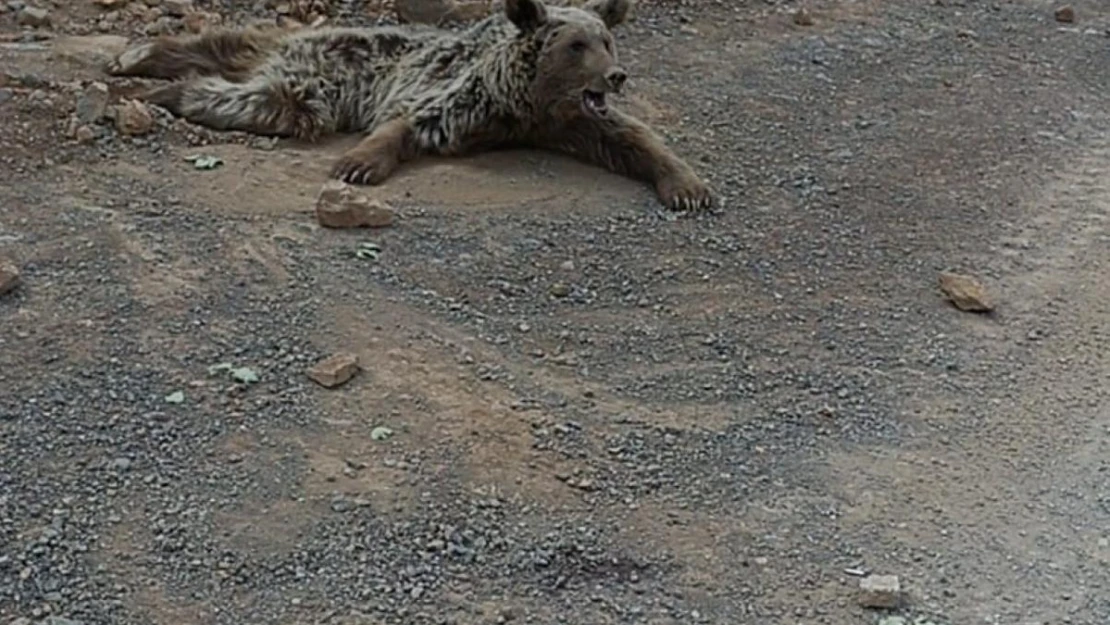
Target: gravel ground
x=600 y=412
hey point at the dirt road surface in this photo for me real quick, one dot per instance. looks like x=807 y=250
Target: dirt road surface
x=599 y=412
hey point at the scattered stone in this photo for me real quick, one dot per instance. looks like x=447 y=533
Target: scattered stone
x=341 y=206
x=164 y=25
x=199 y=21
x=178 y=8
x=29 y=80
x=288 y=23
x=436 y=12
x=880 y=591
x=560 y=289
x=422 y=11
x=84 y=134
x=204 y=161
x=244 y=375
x=965 y=292
x=110 y=4
x=568 y=359
x=467 y=11
x=582 y=483
x=33 y=17
x=334 y=370
x=802 y=17
x=1065 y=14
x=9 y=275
x=133 y=118
x=92 y=105
x=6 y=94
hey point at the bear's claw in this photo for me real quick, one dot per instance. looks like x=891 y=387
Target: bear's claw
x=362 y=169
x=685 y=193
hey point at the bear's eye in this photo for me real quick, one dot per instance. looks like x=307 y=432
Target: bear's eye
x=579 y=46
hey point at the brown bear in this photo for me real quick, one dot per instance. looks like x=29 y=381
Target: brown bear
x=529 y=75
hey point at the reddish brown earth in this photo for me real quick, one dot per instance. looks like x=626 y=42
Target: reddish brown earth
x=597 y=412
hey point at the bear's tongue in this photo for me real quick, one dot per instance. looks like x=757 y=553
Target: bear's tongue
x=595 y=101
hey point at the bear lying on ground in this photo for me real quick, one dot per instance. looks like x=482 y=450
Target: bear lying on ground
x=530 y=75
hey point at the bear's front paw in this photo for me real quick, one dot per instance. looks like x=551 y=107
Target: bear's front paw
x=685 y=191
x=360 y=167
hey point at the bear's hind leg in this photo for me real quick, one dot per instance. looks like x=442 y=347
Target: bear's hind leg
x=377 y=156
x=262 y=105
x=230 y=54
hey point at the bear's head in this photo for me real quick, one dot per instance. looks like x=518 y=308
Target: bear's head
x=576 y=64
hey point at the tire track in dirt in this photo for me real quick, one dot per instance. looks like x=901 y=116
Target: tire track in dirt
x=1005 y=485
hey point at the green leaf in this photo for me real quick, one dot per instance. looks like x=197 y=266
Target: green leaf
x=380 y=433
x=175 y=397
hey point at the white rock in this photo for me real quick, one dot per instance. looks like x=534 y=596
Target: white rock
x=880 y=591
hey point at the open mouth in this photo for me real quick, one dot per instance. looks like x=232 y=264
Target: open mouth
x=594 y=103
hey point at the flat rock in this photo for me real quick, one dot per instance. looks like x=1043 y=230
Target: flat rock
x=178 y=8
x=33 y=17
x=965 y=292
x=88 y=51
x=9 y=275
x=92 y=105
x=422 y=11
x=880 y=591
x=133 y=118
x=340 y=205
x=334 y=370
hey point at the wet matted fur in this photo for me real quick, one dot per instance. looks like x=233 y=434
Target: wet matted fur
x=530 y=75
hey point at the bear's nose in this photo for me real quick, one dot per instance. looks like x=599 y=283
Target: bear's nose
x=616 y=78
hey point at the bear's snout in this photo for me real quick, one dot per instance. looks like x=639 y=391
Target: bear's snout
x=616 y=78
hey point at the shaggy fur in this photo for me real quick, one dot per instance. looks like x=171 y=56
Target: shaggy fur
x=530 y=75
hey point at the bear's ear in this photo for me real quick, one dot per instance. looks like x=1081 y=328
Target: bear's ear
x=612 y=12
x=528 y=15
